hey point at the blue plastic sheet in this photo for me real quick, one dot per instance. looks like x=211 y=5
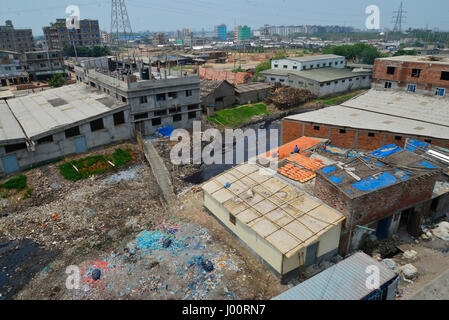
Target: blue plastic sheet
x=386 y=151
x=166 y=131
x=373 y=183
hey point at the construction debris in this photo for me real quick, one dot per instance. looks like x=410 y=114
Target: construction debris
x=409 y=271
x=286 y=97
x=442 y=230
x=410 y=255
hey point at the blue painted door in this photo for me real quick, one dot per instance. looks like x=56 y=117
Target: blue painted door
x=311 y=253
x=382 y=228
x=80 y=144
x=10 y=163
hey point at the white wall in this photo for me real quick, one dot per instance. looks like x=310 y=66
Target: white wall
x=292 y=65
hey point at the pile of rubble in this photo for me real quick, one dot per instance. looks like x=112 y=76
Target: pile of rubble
x=286 y=97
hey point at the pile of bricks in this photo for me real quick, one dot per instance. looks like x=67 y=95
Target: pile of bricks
x=290 y=171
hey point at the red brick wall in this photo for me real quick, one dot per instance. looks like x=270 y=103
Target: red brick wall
x=343 y=140
x=292 y=130
x=365 y=142
x=430 y=73
x=378 y=204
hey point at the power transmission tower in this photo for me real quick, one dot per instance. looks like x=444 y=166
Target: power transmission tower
x=120 y=22
x=399 y=18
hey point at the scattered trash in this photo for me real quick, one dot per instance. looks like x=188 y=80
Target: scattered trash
x=54 y=217
x=166 y=243
x=227 y=185
x=442 y=230
x=207 y=266
x=409 y=271
x=410 y=254
x=96 y=274
x=390 y=263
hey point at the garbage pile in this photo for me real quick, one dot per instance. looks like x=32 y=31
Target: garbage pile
x=285 y=97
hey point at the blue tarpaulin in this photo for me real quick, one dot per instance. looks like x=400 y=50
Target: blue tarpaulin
x=413 y=145
x=375 y=182
x=328 y=169
x=386 y=151
x=166 y=131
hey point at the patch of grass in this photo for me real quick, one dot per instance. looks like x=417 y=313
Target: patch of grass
x=238 y=115
x=95 y=164
x=18 y=183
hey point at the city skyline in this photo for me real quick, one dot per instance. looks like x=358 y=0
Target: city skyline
x=162 y=16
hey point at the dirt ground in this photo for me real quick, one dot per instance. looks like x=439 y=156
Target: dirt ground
x=115 y=222
x=432 y=261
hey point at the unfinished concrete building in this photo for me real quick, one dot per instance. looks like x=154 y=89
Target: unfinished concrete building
x=383 y=190
x=54 y=123
x=155 y=99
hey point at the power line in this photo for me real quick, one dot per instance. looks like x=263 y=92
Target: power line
x=120 y=22
x=399 y=18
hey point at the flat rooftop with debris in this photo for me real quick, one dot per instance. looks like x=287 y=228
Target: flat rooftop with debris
x=376 y=170
x=42 y=112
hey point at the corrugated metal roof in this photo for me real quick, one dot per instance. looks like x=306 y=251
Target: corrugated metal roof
x=345 y=280
x=241 y=88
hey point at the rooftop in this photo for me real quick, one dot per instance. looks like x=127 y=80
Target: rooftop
x=407 y=105
x=242 y=88
x=314 y=58
x=345 y=280
x=422 y=59
x=41 y=112
x=285 y=216
x=9 y=127
x=319 y=75
x=412 y=114
x=376 y=170
x=208 y=86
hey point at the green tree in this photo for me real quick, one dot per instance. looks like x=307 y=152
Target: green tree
x=360 y=52
x=56 y=81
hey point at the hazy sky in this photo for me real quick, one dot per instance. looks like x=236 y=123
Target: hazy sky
x=166 y=15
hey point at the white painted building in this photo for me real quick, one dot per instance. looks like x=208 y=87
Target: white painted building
x=309 y=62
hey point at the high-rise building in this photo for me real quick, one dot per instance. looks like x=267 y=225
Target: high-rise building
x=242 y=33
x=221 y=32
x=58 y=36
x=15 y=39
